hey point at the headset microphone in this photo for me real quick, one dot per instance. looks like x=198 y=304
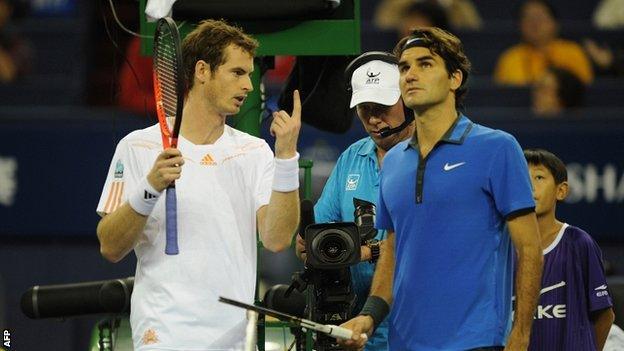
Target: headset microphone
x=386 y=132
x=409 y=118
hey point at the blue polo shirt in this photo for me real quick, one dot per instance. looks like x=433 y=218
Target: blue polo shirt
x=356 y=175
x=453 y=274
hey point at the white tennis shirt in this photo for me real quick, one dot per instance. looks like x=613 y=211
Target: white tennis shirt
x=174 y=302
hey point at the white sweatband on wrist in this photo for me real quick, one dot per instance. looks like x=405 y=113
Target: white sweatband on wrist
x=286 y=177
x=144 y=198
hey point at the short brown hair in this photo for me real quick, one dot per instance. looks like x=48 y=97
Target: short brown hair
x=208 y=42
x=445 y=45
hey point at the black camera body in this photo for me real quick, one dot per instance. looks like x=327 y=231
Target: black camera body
x=337 y=245
x=331 y=248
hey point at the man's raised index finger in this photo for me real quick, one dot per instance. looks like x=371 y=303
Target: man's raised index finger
x=296 y=112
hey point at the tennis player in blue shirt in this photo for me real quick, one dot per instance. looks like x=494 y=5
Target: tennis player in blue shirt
x=374 y=82
x=452 y=199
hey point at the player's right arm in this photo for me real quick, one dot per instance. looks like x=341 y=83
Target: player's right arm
x=384 y=272
x=119 y=231
x=381 y=287
x=525 y=236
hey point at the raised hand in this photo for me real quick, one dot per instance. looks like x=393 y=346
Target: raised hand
x=285 y=128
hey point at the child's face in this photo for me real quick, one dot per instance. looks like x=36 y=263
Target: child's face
x=546 y=192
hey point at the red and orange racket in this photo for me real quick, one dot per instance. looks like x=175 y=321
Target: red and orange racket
x=169 y=96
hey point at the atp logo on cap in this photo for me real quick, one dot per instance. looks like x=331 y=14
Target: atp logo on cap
x=375 y=81
x=373 y=78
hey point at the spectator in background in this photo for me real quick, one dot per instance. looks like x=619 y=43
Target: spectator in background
x=15 y=51
x=557 y=91
x=608 y=61
x=524 y=63
x=136 y=87
x=422 y=14
x=402 y=15
x=609 y=14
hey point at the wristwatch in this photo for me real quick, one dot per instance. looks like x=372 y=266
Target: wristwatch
x=374 y=245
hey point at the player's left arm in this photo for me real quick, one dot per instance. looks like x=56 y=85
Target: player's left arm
x=278 y=221
x=524 y=233
x=602 y=321
x=600 y=302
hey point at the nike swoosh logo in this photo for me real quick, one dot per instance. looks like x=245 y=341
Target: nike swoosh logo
x=549 y=288
x=552 y=287
x=448 y=167
x=602 y=287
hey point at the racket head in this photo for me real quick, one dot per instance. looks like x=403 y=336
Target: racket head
x=169 y=83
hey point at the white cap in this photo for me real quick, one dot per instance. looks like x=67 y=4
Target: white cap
x=375 y=81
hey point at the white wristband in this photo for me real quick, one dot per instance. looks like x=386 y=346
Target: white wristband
x=144 y=198
x=286 y=177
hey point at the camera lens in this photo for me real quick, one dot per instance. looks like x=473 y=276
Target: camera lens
x=364 y=218
x=334 y=246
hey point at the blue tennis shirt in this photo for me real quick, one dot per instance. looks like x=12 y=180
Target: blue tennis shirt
x=453 y=274
x=356 y=175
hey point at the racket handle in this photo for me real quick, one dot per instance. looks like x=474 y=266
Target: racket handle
x=339 y=332
x=171 y=222
x=343 y=333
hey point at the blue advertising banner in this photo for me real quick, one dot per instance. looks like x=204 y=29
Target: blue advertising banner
x=593 y=151
x=52 y=169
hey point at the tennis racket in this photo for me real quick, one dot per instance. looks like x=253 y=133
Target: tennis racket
x=331 y=330
x=169 y=95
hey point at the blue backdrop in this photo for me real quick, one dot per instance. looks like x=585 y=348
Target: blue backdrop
x=52 y=170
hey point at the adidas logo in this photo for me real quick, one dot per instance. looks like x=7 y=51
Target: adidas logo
x=208 y=161
x=147 y=195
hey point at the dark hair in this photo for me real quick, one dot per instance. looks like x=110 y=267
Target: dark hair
x=549 y=7
x=448 y=47
x=208 y=42
x=431 y=10
x=570 y=89
x=541 y=157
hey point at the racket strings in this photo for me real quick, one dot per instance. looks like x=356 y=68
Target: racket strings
x=166 y=58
